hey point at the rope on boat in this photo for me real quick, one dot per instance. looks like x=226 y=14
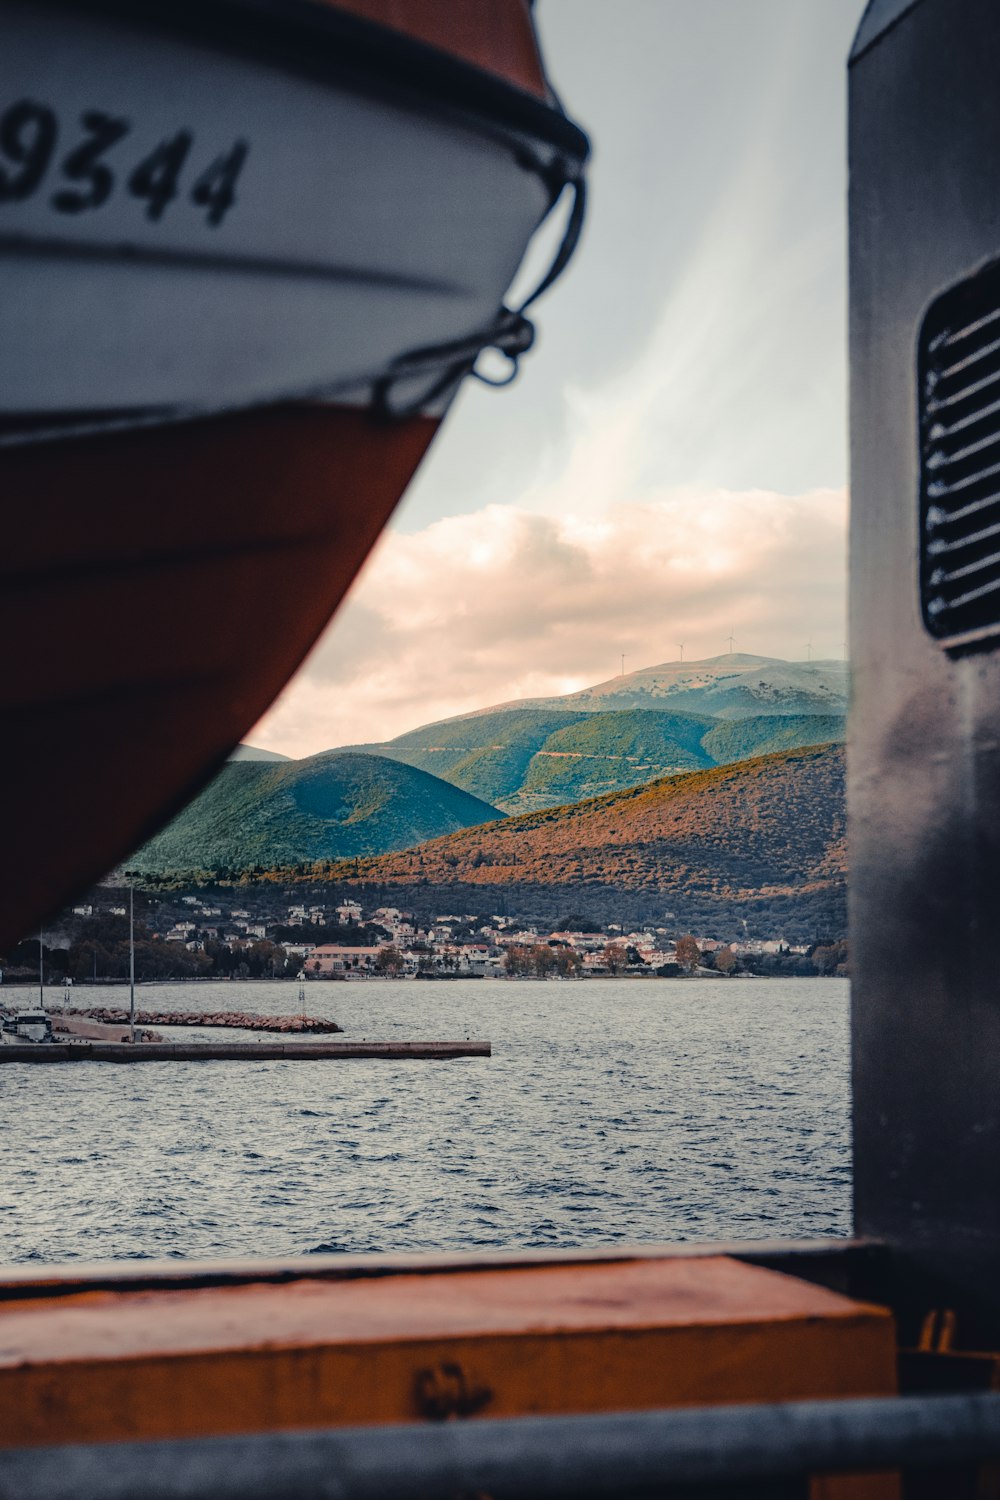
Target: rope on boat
x=511 y=334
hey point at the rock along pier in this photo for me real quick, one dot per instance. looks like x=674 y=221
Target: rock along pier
x=214 y=1051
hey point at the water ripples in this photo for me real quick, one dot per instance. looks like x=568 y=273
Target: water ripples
x=610 y=1111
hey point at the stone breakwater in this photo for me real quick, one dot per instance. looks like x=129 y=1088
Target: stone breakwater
x=116 y=1015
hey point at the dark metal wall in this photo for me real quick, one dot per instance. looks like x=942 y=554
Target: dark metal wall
x=925 y=736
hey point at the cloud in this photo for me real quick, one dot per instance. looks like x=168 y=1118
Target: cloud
x=645 y=482
x=606 y=501
x=507 y=603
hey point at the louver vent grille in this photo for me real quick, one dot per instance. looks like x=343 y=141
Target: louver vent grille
x=960 y=462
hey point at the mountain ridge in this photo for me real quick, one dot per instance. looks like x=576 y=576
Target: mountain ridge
x=823 y=681
x=759 y=839
x=544 y=758
x=254 y=752
x=513 y=760
x=675 y=714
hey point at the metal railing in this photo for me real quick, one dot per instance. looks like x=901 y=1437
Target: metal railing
x=731 y=1451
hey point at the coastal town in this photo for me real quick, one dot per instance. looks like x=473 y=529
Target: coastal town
x=241 y=933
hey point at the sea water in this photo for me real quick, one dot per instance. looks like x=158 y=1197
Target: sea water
x=611 y=1111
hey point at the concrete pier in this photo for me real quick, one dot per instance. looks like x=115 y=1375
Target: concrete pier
x=126 y=1052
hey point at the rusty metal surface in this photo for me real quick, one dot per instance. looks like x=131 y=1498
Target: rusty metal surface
x=842 y=1265
x=924 y=781
x=114 y=1366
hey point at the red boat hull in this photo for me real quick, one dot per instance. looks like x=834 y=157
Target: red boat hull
x=159 y=589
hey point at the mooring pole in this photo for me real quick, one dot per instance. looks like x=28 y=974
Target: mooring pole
x=131 y=961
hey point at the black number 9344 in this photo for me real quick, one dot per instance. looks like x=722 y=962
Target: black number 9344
x=86 y=179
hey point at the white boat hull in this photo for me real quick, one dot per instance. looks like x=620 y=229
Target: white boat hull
x=340 y=230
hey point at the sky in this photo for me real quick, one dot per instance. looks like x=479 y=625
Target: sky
x=670 y=465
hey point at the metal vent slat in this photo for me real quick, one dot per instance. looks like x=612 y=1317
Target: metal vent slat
x=969 y=358
x=958 y=486
x=942 y=577
x=938 y=517
x=950 y=340
x=952 y=399
x=939 y=547
x=938 y=605
x=942 y=431
x=945 y=456
x=959 y=384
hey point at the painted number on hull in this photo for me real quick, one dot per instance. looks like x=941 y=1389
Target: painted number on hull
x=86 y=179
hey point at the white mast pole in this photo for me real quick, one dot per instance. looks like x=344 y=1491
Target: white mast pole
x=131 y=961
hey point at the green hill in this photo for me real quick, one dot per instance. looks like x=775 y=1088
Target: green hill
x=332 y=806
x=739 y=739
x=523 y=759
x=760 y=841
x=606 y=752
x=485 y=754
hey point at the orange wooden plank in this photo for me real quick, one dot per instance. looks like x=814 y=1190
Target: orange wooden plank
x=632 y=1296
x=101 y=1366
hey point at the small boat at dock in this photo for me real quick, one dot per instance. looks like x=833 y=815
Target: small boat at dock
x=26 y=1027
